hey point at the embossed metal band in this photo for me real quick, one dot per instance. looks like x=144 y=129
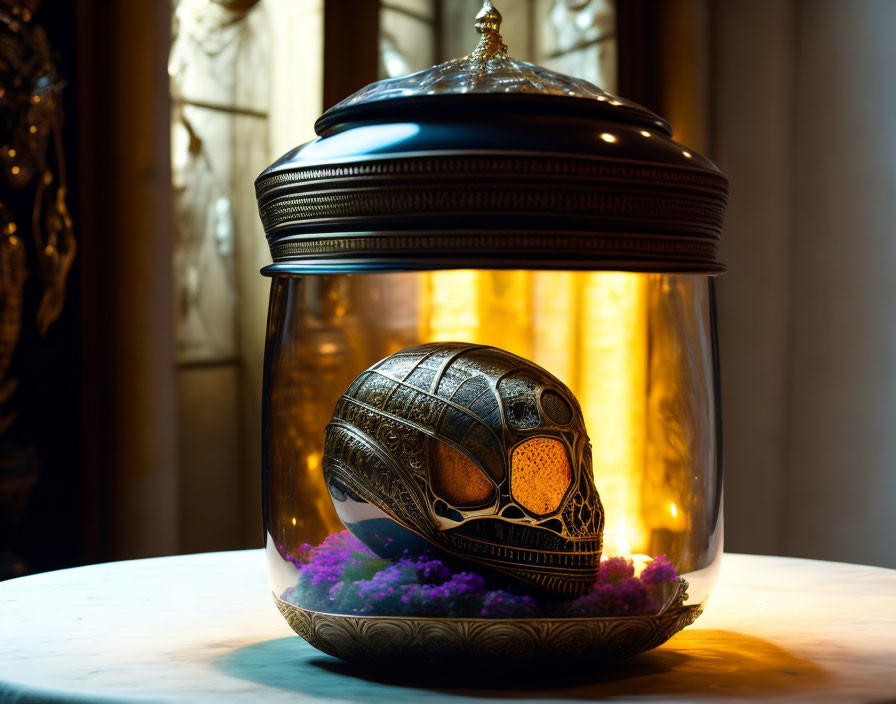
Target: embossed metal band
x=515 y=642
x=472 y=205
x=700 y=215
x=544 y=244
x=489 y=166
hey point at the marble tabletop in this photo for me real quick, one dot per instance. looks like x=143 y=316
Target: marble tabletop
x=203 y=628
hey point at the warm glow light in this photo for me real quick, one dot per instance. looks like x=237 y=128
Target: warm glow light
x=615 y=102
x=589 y=329
x=15 y=170
x=555 y=324
x=617 y=544
x=451 y=313
x=640 y=561
x=11 y=152
x=673 y=509
x=607 y=137
x=293 y=520
x=619 y=535
x=688 y=154
x=488 y=307
x=645 y=133
x=612 y=390
x=32 y=129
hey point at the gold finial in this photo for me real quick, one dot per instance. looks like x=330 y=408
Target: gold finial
x=488 y=24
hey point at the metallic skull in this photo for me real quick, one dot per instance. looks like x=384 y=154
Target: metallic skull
x=472 y=451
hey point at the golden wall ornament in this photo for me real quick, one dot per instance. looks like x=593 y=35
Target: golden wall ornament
x=472 y=451
x=31 y=156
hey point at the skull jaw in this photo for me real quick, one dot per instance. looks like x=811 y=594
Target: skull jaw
x=539 y=558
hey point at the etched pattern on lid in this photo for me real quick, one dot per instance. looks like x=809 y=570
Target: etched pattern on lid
x=487 y=69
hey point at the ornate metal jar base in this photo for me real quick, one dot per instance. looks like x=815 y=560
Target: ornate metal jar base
x=514 y=643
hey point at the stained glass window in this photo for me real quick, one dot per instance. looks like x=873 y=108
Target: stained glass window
x=227 y=124
x=408 y=36
x=577 y=37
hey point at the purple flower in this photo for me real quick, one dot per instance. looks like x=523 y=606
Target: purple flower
x=432 y=571
x=502 y=604
x=461 y=595
x=658 y=571
x=327 y=562
x=615 y=569
x=626 y=597
x=342 y=576
x=383 y=593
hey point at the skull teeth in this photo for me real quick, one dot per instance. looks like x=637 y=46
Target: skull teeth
x=586 y=557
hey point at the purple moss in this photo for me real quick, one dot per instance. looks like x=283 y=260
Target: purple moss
x=460 y=595
x=614 y=570
x=658 y=571
x=502 y=604
x=623 y=598
x=341 y=575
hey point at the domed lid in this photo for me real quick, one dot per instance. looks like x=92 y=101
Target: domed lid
x=487 y=161
x=489 y=70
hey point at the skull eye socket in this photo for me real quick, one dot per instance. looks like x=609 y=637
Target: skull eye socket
x=556 y=407
x=540 y=474
x=458 y=480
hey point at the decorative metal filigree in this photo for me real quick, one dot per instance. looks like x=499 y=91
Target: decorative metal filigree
x=388 y=640
x=488 y=24
x=31 y=155
x=474 y=451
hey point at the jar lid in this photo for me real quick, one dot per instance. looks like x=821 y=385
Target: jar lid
x=490 y=162
x=489 y=70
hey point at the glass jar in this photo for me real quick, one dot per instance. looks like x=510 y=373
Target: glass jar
x=491 y=417
x=637 y=351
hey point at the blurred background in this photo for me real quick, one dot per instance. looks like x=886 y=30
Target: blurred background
x=132 y=313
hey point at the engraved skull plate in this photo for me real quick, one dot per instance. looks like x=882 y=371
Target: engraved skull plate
x=471 y=451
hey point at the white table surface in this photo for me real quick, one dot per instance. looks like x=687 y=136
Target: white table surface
x=204 y=628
